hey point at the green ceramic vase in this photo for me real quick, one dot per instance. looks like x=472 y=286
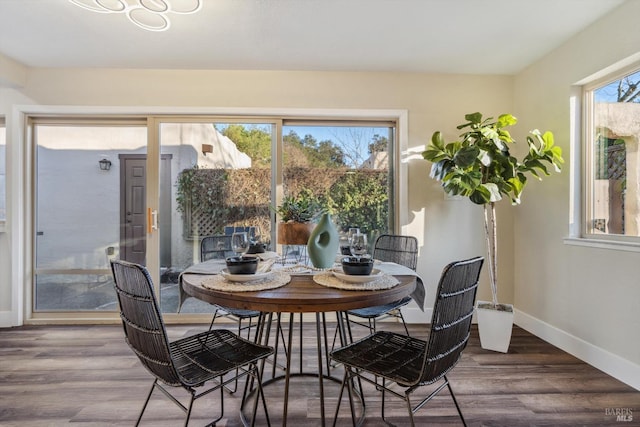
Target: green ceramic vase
x=323 y=243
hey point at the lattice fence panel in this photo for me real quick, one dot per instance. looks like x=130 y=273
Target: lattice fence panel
x=216 y=198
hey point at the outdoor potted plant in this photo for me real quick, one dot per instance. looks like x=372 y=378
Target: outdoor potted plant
x=479 y=166
x=296 y=213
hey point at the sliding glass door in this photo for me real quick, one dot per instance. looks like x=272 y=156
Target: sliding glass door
x=348 y=167
x=217 y=177
x=149 y=189
x=88 y=208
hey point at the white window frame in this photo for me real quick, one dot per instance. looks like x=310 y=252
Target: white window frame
x=582 y=173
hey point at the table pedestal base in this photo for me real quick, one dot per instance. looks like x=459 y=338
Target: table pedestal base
x=303 y=389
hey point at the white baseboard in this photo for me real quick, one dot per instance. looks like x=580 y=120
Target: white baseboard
x=6 y=319
x=614 y=365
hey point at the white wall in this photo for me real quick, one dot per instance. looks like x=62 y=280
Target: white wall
x=583 y=298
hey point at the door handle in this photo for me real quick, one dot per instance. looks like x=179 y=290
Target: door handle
x=152 y=220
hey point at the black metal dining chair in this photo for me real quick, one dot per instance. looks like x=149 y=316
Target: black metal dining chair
x=402 y=250
x=190 y=362
x=219 y=247
x=411 y=362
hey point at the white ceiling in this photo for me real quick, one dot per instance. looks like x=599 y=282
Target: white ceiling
x=440 y=36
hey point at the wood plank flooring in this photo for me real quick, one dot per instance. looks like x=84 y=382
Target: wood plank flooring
x=87 y=376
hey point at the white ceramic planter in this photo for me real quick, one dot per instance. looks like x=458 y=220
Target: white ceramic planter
x=494 y=326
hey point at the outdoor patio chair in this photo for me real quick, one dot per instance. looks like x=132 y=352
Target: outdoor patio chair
x=215 y=247
x=410 y=362
x=188 y=362
x=402 y=250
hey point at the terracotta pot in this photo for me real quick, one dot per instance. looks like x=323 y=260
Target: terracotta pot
x=294 y=233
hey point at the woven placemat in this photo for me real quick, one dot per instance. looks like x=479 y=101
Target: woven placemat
x=329 y=280
x=274 y=280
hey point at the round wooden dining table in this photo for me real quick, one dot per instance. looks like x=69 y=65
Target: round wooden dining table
x=301 y=295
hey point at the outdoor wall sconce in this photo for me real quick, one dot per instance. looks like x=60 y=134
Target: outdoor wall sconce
x=207 y=148
x=105 y=164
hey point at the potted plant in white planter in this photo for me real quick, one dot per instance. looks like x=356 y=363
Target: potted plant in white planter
x=479 y=166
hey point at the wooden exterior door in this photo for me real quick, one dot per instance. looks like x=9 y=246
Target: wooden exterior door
x=133 y=212
x=133 y=215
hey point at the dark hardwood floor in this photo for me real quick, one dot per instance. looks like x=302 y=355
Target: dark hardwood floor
x=87 y=376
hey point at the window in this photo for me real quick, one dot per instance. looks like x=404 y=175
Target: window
x=348 y=166
x=612 y=178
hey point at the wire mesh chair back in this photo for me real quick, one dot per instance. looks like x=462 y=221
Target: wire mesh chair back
x=144 y=329
x=400 y=249
x=451 y=320
x=215 y=247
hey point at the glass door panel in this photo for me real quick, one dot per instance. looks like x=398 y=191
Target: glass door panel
x=214 y=177
x=86 y=212
x=348 y=168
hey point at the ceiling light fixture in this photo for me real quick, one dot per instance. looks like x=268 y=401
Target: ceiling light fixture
x=151 y=15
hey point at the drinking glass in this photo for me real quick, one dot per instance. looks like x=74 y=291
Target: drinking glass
x=256 y=236
x=358 y=245
x=240 y=242
x=352 y=231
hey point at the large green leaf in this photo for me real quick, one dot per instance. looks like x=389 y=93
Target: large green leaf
x=434 y=154
x=480 y=196
x=494 y=192
x=505 y=120
x=466 y=156
x=440 y=169
x=485 y=158
x=437 y=140
x=475 y=118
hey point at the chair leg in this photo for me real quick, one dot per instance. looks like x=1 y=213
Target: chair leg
x=278 y=335
x=455 y=401
x=410 y=410
x=347 y=381
x=406 y=329
x=153 y=386
x=256 y=374
x=186 y=421
x=277 y=338
x=215 y=314
x=384 y=400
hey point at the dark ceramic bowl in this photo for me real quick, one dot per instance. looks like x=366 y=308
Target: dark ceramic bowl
x=356 y=266
x=242 y=265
